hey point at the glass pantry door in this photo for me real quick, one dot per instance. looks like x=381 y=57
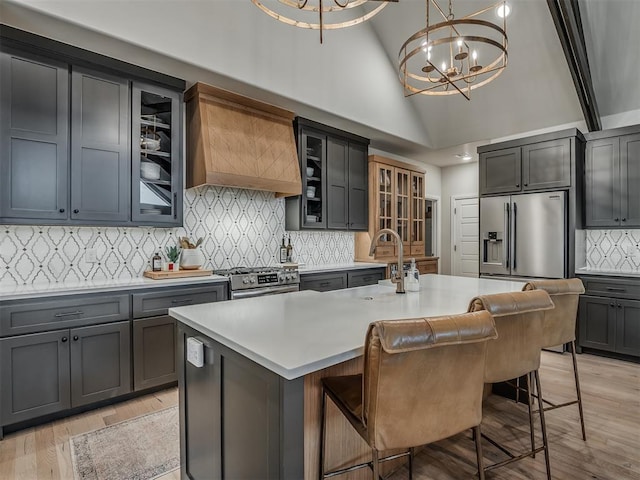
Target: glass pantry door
x=417 y=214
x=314 y=157
x=403 y=196
x=384 y=205
x=155 y=156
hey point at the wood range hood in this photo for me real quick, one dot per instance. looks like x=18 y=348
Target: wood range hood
x=240 y=142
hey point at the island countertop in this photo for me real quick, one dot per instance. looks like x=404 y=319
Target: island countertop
x=297 y=333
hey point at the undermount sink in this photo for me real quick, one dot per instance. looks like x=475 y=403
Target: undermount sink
x=382 y=297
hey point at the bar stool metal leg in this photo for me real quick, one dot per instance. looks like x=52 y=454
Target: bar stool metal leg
x=530 y=405
x=323 y=430
x=575 y=374
x=543 y=426
x=477 y=436
x=375 y=464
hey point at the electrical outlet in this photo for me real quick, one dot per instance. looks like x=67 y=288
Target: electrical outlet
x=91 y=255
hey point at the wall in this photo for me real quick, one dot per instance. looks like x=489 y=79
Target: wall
x=239 y=227
x=456 y=180
x=617 y=250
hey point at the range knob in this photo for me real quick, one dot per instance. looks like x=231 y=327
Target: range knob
x=293 y=276
x=252 y=280
x=245 y=280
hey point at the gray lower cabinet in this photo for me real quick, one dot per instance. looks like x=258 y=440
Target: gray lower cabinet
x=48 y=372
x=154 y=352
x=34 y=106
x=369 y=276
x=100 y=147
x=327 y=281
x=609 y=316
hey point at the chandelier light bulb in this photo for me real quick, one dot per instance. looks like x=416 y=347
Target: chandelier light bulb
x=503 y=10
x=475 y=56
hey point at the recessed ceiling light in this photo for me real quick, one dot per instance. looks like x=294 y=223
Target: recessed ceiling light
x=464 y=156
x=503 y=10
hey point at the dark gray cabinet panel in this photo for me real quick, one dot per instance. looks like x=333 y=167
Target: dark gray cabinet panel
x=19 y=317
x=546 y=165
x=337 y=184
x=100 y=147
x=630 y=181
x=500 y=171
x=100 y=362
x=34 y=375
x=597 y=323
x=156 y=302
x=323 y=282
x=34 y=102
x=358 y=187
x=628 y=327
x=602 y=180
x=154 y=352
x=370 y=276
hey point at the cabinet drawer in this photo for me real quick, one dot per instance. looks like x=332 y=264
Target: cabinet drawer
x=369 y=276
x=19 y=317
x=323 y=282
x=427 y=266
x=612 y=288
x=158 y=301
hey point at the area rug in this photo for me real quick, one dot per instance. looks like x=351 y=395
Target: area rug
x=141 y=448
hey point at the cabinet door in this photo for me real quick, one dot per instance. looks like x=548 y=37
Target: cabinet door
x=597 y=323
x=314 y=158
x=323 y=282
x=154 y=352
x=156 y=170
x=358 y=187
x=384 y=180
x=337 y=199
x=602 y=180
x=546 y=165
x=100 y=362
x=34 y=374
x=630 y=180
x=369 y=276
x=628 y=327
x=417 y=214
x=403 y=206
x=34 y=123
x=100 y=147
x=500 y=171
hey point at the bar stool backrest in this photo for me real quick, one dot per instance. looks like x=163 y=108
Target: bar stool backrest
x=518 y=317
x=559 y=325
x=423 y=378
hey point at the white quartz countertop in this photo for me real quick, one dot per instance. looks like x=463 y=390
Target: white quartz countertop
x=608 y=273
x=293 y=334
x=96 y=286
x=338 y=267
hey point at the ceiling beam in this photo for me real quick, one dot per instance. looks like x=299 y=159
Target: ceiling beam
x=566 y=17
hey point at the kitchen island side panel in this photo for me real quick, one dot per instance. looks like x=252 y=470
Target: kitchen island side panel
x=237 y=419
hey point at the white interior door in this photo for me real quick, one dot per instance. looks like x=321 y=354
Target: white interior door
x=465 y=236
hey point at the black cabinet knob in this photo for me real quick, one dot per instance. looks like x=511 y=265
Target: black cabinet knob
x=76 y=211
x=62 y=210
x=624 y=219
x=526 y=184
x=616 y=219
x=64 y=339
x=619 y=306
x=517 y=185
x=612 y=305
x=75 y=338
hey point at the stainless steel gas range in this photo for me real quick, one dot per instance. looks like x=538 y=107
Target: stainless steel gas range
x=255 y=282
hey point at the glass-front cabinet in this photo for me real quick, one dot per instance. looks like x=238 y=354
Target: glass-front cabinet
x=403 y=196
x=417 y=214
x=314 y=154
x=384 y=207
x=156 y=179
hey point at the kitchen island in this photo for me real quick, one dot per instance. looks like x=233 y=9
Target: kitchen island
x=253 y=409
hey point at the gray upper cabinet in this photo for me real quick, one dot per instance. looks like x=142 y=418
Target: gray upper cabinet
x=100 y=147
x=334 y=168
x=155 y=155
x=500 y=171
x=534 y=165
x=34 y=101
x=612 y=176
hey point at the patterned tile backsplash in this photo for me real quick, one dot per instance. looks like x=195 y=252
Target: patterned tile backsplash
x=613 y=250
x=239 y=227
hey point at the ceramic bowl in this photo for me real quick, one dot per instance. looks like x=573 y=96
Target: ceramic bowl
x=150 y=170
x=311 y=191
x=309 y=171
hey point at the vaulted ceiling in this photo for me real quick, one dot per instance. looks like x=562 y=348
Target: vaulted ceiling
x=351 y=81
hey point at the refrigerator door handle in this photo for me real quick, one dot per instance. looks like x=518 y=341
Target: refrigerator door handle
x=515 y=233
x=505 y=249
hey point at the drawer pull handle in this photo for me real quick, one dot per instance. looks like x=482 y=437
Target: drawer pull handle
x=366 y=279
x=612 y=289
x=68 y=314
x=325 y=284
x=181 y=302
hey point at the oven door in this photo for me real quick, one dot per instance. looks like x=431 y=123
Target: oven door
x=261 y=291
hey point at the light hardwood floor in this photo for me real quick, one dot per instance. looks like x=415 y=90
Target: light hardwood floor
x=611 y=395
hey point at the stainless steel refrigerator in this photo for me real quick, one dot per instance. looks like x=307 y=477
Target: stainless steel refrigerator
x=524 y=236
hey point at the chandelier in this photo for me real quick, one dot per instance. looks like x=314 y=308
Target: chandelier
x=305 y=12
x=454 y=55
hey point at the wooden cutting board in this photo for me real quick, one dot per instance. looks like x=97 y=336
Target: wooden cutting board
x=165 y=274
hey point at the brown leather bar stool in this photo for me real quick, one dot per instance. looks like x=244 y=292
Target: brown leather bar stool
x=422 y=382
x=559 y=328
x=518 y=317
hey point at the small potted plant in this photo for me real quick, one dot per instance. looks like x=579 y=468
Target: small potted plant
x=191 y=258
x=173 y=253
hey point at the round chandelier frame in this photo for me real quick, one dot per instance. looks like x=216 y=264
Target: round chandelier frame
x=456 y=42
x=322 y=10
